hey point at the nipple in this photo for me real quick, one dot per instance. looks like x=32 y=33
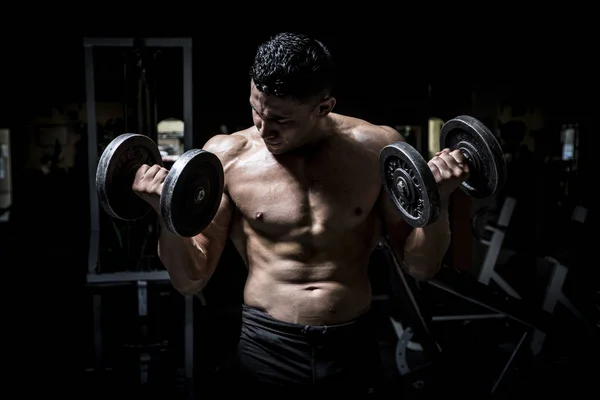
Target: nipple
x=259 y=215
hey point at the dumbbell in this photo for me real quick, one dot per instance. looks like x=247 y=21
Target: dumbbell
x=191 y=193
x=411 y=186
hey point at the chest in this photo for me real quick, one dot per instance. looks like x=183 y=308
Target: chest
x=331 y=190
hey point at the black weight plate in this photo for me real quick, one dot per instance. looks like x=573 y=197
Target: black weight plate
x=409 y=183
x=192 y=192
x=116 y=171
x=486 y=160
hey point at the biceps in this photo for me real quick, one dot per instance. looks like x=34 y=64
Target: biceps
x=213 y=238
x=395 y=228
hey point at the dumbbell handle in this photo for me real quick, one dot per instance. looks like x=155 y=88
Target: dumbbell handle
x=469 y=153
x=199 y=192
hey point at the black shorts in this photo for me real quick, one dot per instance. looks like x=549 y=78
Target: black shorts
x=274 y=356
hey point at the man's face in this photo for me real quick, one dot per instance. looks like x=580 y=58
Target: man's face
x=284 y=124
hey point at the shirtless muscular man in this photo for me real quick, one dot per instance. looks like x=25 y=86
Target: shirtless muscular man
x=304 y=206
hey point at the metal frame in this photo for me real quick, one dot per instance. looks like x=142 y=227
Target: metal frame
x=139 y=278
x=488 y=272
x=553 y=296
x=558 y=275
x=405 y=334
x=188 y=113
x=554 y=290
x=533 y=331
x=5 y=176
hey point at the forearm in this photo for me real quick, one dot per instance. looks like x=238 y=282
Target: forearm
x=186 y=261
x=425 y=248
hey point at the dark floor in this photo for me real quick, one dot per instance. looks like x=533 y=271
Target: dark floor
x=472 y=360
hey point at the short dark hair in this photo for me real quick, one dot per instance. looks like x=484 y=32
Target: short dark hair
x=293 y=65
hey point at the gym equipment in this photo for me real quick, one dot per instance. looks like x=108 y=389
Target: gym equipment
x=5 y=176
x=96 y=276
x=493 y=235
x=455 y=284
x=191 y=192
x=91 y=47
x=490 y=305
x=558 y=272
x=411 y=185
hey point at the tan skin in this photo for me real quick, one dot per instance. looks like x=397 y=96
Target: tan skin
x=304 y=206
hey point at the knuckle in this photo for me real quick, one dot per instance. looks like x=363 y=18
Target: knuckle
x=447 y=158
x=435 y=172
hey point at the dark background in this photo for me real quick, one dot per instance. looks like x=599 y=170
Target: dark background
x=385 y=77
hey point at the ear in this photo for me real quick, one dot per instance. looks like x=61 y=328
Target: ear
x=325 y=106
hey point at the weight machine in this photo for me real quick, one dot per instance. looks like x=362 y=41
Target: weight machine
x=95 y=277
x=494 y=309
x=536 y=322
x=554 y=289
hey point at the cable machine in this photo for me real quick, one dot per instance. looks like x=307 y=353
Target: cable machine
x=140 y=117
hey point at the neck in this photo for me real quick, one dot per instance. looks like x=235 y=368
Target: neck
x=321 y=131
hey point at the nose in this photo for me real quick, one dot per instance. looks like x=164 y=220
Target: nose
x=266 y=130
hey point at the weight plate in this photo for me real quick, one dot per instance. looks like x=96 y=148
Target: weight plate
x=409 y=183
x=192 y=192
x=486 y=160
x=116 y=171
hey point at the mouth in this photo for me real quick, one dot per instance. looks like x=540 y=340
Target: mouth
x=273 y=143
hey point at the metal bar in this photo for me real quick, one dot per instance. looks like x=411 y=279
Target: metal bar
x=92 y=148
x=488 y=272
x=392 y=256
x=509 y=362
x=97 y=310
x=504 y=285
x=168 y=42
x=118 y=277
x=129 y=42
x=188 y=106
x=506 y=211
x=142 y=295
x=5 y=176
x=446 y=288
x=189 y=345
x=466 y=317
x=107 y=42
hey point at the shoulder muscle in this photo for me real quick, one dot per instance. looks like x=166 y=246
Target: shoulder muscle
x=376 y=137
x=226 y=147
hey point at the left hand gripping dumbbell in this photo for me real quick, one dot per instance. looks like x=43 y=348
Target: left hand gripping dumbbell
x=191 y=192
x=411 y=186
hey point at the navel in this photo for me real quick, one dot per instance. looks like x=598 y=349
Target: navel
x=358 y=211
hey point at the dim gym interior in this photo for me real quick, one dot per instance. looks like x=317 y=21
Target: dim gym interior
x=514 y=308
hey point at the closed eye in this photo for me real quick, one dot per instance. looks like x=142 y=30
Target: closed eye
x=274 y=119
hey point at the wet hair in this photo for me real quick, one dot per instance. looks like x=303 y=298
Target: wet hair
x=293 y=65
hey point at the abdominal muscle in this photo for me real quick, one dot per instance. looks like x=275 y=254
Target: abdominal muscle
x=314 y=290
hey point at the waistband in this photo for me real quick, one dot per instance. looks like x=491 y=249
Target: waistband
x=259 y=318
